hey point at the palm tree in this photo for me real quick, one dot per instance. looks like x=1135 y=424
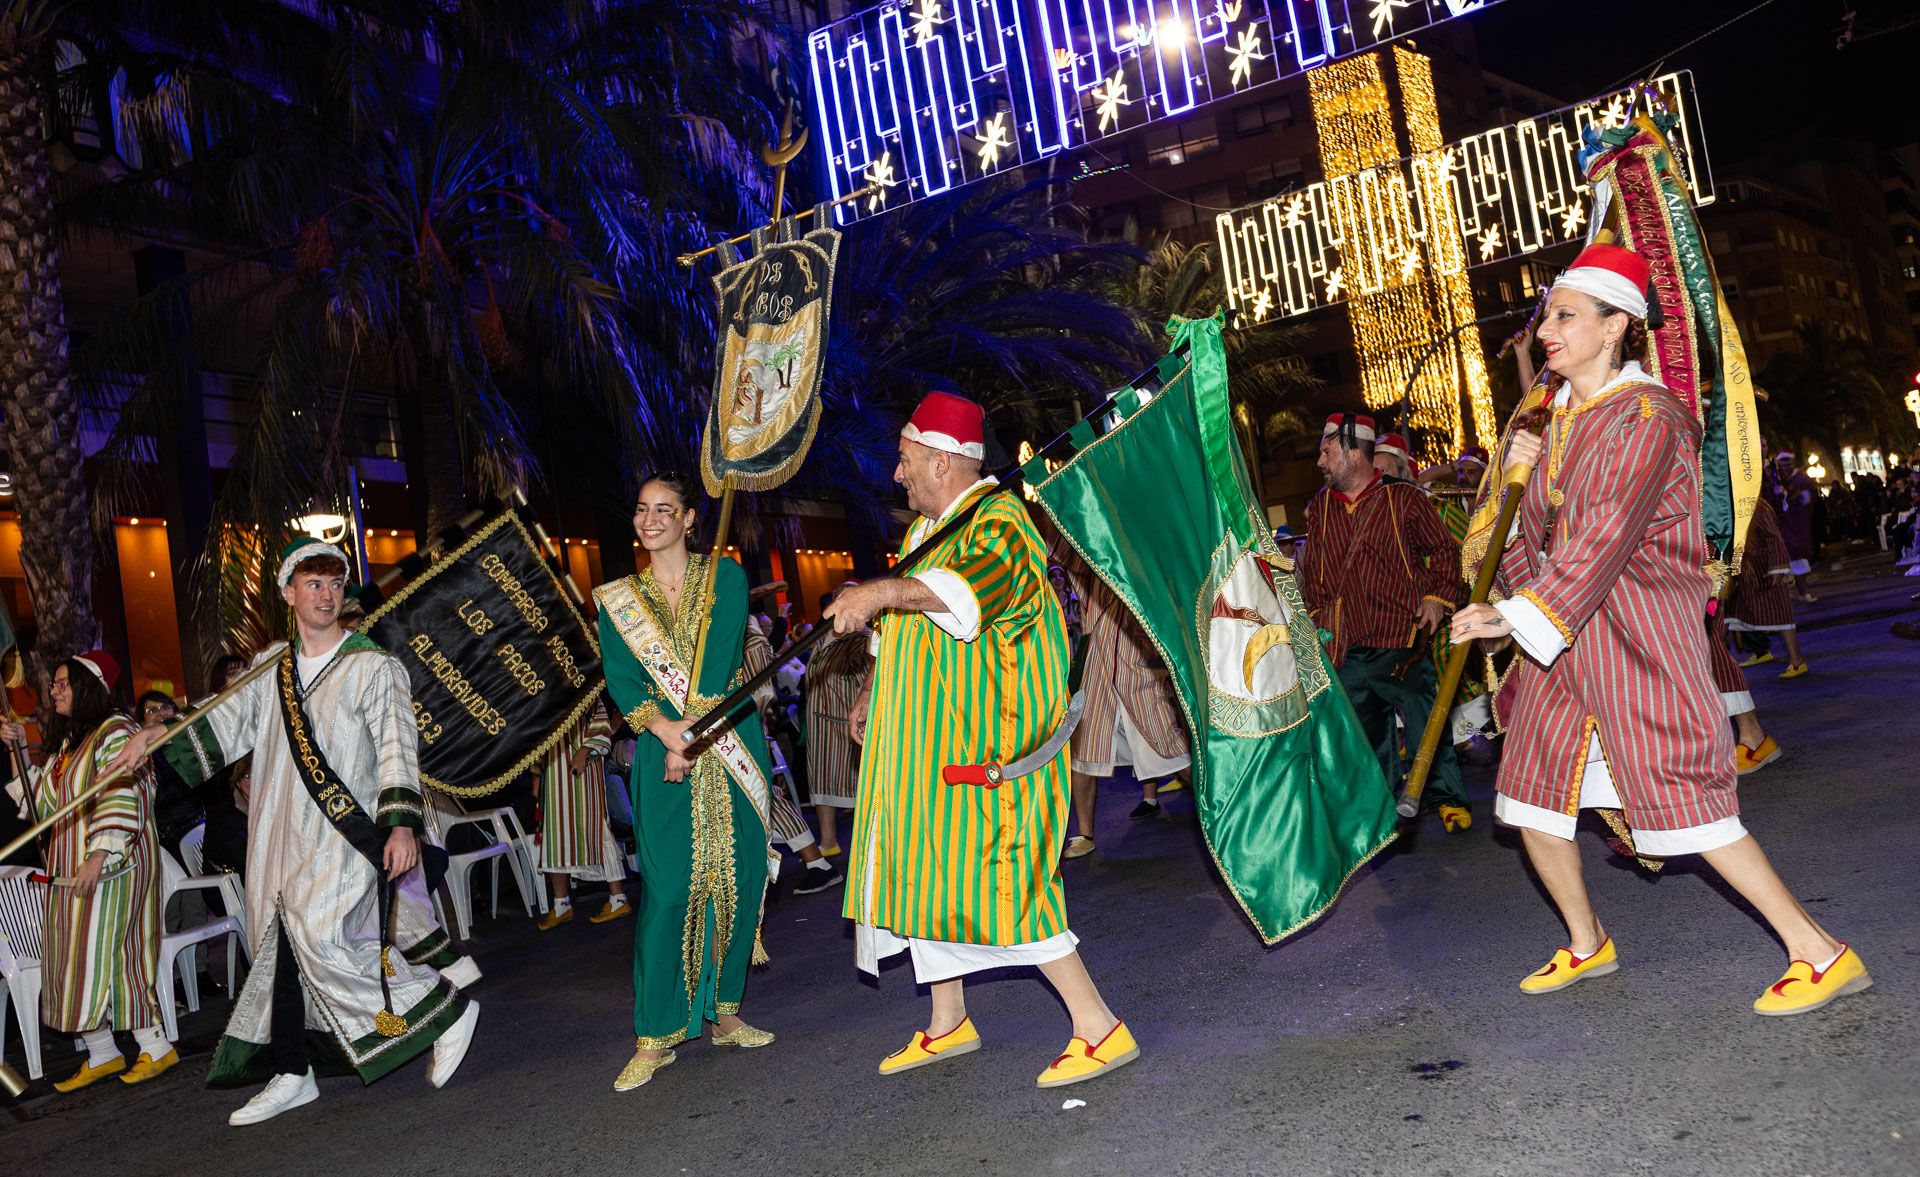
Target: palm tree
x=1831 y=391
x=479 y=235
x=49 y=48
x=1268 y=376
x=990 y=291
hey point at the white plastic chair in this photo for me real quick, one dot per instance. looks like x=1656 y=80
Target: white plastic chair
x=191 y=844
x=23 y=912
x=505 y=838
x=180 y=950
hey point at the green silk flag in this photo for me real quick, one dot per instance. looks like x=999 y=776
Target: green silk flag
x=1290 y=795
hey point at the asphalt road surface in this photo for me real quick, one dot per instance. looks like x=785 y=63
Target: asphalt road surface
x=1390 y=1038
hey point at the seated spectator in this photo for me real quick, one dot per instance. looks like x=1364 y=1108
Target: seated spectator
x=176 y=805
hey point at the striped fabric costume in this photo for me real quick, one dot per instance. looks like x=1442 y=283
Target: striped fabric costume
x=945 y=868
x=1371 y=560
x=1369 y=564
x=574 y=838
x=833 y=679
x=784 y=823
x=1762 y=597
x=1615 y=705
x=1124 y=676
x=101 y=951
x=702 y=842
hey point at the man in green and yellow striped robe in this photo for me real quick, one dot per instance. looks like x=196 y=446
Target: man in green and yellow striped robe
x=971 y=668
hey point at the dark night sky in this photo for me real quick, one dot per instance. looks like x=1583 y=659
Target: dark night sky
x=1771 y=73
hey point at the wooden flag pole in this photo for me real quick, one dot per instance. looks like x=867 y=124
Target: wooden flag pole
x=777 y=156
x=1516 y=476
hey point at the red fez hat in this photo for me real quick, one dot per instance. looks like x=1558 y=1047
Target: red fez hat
x=1474 y=453
x=1392 y=443
x=1360 y=425
x=950 y=423
x=102 y=665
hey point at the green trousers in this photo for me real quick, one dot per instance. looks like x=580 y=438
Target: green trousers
x=679 y=977
x=1377 y=697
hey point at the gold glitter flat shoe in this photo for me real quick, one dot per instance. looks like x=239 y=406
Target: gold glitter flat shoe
x=743 y=1036
x=639 y=1069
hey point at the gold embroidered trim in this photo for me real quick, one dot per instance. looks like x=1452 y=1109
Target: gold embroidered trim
x=727 y=1008
x=641 y=716
x=659 y=1041
x=1565 y=633
x=711 y=880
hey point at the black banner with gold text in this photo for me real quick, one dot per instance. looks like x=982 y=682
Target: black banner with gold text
x=501 y=661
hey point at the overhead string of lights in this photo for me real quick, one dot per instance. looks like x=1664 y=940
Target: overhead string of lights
x=918 y=97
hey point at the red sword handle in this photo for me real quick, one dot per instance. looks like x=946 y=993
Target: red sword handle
x=987 y=776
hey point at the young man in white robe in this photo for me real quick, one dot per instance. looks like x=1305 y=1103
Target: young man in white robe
x=316 y=998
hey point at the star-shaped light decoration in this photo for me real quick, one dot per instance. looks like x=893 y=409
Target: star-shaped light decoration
x=1336 y=284
x=1614 y=114
x=1242 y=54
x=1382 y=14
x=1111 y=98
x=1409 y=265
x=924 y=21
x=880 y=177
x=993 y=141
x=1229 y=11
x=1572 y=219
x=1296 y=211
x=1262 y=306
x=1489 y=242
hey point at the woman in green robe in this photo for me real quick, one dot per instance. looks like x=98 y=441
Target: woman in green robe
x=700 y=812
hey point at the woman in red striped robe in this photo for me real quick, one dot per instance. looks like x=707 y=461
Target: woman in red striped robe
x=1606 y=582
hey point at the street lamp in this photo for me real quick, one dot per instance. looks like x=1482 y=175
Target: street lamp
x=1815 y=470
x=322 y=526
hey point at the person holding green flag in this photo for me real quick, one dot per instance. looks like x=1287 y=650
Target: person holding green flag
x=952 y=862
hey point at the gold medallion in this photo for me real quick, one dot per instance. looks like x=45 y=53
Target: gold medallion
x=1555 y=497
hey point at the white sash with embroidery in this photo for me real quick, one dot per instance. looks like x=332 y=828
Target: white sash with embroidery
x=648 y=641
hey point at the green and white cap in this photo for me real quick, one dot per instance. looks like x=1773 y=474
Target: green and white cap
x=306 y=547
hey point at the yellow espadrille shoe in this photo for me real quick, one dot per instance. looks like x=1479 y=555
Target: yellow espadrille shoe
x=1084 y=1060
x=1804 y=988
x=555 y=918
x=1567 y=969
x=1454 y=818
x=88 y=1075
x=962 y=1039
x=147 y=1067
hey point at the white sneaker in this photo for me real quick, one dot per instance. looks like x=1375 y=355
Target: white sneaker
x=451 y=1047
x=462 y=972
x=281 y=1093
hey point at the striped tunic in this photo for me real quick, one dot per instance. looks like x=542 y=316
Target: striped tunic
x=963 y=863
x=1762 y=597
x=1728 y=678
x=102 y=952
x=1123 y=670
x=834 y=677
x=573 y=808
x=1623 y=579
x=784 y=823
x=1370 y=561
